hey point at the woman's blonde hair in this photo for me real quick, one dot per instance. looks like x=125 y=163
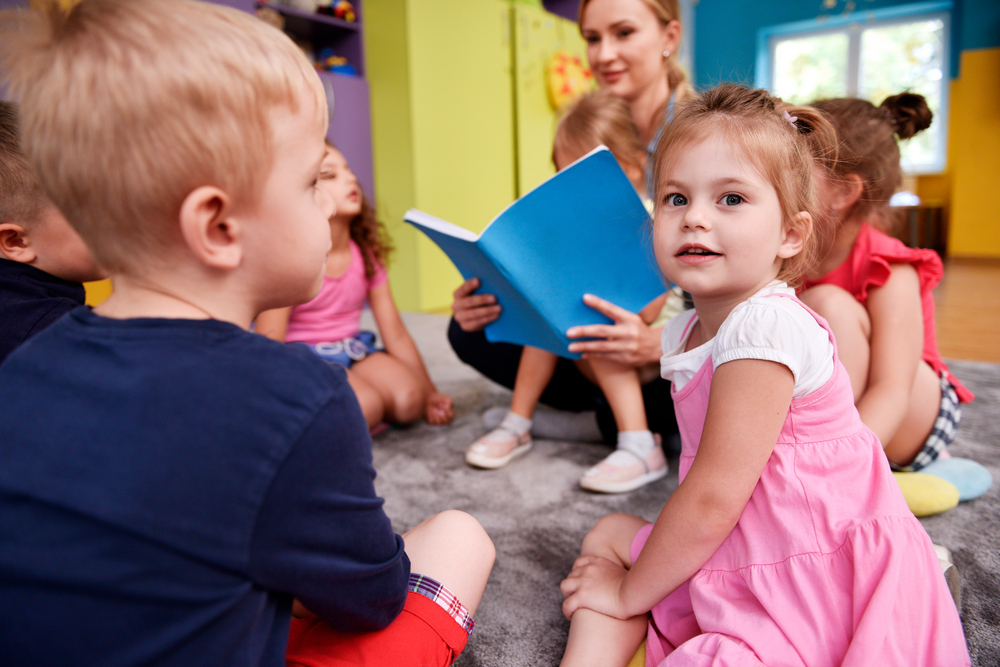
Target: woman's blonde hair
x=783 y=142
x=666 y=11
x=601 y=118
x=127 y=106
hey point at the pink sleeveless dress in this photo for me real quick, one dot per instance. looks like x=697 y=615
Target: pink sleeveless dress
x=826 y=565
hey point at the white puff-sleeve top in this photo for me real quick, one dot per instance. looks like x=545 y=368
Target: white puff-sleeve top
x=767 y=327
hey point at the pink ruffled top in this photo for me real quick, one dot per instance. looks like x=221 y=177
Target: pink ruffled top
x=868 y=266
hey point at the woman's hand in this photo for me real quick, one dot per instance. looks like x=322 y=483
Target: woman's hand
x=629 y=341
x=440 y=409
x=474 y=311
x=596 y=584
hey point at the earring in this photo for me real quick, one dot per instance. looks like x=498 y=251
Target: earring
x=666 y=54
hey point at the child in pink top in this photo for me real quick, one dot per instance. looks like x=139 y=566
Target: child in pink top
x=876 y=293
x=787 y=541
x=391 y=384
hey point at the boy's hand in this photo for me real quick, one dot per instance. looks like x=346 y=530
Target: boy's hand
x=595 y=583
x=440 y=409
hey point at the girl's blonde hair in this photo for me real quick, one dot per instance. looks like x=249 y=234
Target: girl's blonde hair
x=783 y=142
x=601 y=118
x=127 y=106
x=666 y=11
x=869 y=148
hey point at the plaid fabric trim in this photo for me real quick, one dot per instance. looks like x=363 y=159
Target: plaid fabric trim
x=944 y=431
x=444 y=598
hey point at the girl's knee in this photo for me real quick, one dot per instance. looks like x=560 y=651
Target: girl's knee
x=828 y=299
x=608 y=535
x=409 y=401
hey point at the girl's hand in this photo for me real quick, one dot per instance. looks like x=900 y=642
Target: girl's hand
x=629 y=341
x=596 y=584
x=474 y=311
x=440 y=409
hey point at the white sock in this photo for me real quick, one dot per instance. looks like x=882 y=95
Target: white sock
x=637 y=442
x=514 y=423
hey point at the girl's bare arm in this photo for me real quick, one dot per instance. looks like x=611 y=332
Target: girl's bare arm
x=747 y=408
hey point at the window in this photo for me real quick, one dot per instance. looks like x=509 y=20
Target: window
x=869 y=54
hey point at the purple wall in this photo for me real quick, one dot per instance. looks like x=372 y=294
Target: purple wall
x=351 y=125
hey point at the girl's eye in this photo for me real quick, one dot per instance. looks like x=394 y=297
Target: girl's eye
x=592 y=39
x=676 y=200
x=732 y=200
x=625 y=32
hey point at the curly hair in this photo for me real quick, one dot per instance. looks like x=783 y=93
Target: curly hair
x=371 y=236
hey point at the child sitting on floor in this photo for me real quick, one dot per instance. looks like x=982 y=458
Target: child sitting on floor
x=787 y=541
x=391 y=384
x=877 y=296
x=42 y=260
x=598 y=118
x=170 y=482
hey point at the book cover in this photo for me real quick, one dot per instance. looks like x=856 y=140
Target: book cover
x=584 y=230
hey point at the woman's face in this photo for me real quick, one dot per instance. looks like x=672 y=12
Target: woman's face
x=625 y=45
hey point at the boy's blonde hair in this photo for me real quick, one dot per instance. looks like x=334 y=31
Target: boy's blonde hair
x=21 y=198
x=129 y=105
x=783 y=142
x=601 y=118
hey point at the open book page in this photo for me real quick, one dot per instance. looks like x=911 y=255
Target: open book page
x=581 y=231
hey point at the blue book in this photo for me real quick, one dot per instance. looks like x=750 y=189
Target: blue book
x=584 y=230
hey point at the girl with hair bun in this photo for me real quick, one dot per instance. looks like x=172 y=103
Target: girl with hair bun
x=876 y=293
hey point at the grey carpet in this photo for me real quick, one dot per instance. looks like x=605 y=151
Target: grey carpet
x=537 y=514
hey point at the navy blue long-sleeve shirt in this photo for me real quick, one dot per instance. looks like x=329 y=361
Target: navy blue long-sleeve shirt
x=168 y=486
x=30 y=300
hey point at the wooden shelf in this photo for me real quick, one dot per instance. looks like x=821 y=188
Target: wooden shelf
x=299 y=15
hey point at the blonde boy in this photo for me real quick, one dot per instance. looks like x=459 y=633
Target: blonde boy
x=42 y=260
x=173 y=481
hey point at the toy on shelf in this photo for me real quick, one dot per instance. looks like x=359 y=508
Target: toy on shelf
x=568 y=79
x=327 y=60
x=341 y=9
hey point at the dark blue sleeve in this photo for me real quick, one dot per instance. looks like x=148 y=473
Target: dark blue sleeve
x=322 y=535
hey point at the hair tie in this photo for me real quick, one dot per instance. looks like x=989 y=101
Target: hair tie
x=791 y=119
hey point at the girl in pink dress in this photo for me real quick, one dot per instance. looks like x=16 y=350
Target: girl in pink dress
x=391 y=384
x=787 y=541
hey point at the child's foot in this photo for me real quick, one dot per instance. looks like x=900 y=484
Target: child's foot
x=552 y=424
x=950 y=574
x=497 y=448
x=510 y=439
x=627 y=468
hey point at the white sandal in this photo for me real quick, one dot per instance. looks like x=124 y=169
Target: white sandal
x=497 y=448
x=615 y=475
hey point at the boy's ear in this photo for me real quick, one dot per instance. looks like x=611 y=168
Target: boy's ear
x=209 y=229
x=795 y=235
x=15 y=244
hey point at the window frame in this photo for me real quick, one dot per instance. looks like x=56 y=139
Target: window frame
x=853 y=24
